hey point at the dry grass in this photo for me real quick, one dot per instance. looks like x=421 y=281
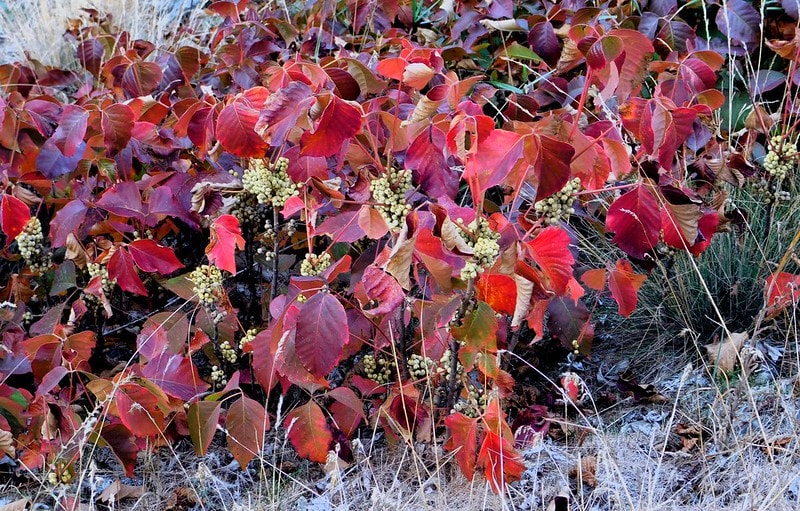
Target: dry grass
x=35 y=28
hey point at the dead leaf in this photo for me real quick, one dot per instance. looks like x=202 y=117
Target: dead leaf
x=7 y=443
x=182 y=499
x=586 y=471
x=691 y=436
x=17 y=505
x=628 y=384
x=117 y=491
x=725 y=354
x=778 y=444
x=75 y=251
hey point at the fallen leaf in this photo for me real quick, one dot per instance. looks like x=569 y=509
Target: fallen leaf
x=7 y=443
x=691 y=436
x=17 y=505
x=117 y=491
x=182 y=499
x=586 y=471
x=724 y=354
x=628 y=384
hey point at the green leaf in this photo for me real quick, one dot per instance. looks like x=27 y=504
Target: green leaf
x=63 y=278
x=479 y=332
x=517 y=51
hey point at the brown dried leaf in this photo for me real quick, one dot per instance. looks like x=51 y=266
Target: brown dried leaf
x=17 y=505
x=182 y=499
x=7 y=443
x=117 y=491
x=586 y=471
x=725 y=354
x=75 y=251
x=759 y=120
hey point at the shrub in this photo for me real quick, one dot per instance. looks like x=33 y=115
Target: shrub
x=361 y=202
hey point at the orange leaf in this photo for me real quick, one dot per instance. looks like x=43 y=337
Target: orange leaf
x=595 y=279
x=624 y=285
x=247 y=422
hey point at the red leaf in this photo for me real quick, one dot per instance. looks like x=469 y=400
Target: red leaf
x=281 y=111
x=149 y=256
x=123 y=199
x=236 y=124
x=494 y=159
x=464 y=437
x=123 y=445
x=501 y=462
x=122 y=269
x=635 y=218
x=321 y=334
x=117 y=123
x=552 y=166
x=550 y=251
x=308 y=432
x=499 y=291
x=14 y=214
x=141 y=78
x=71 y=129
x=66 y=221
x=382 y=288
x=339 y=122
x=347 y=410
x=624 y=285
x=247 y=422
x=372 y=222
x=176 y=375
x=426 y=156
x=543 y=40
x=90 y=55
x=203 y=418
x=782 y=290
x=139 y=410
x=226 y=235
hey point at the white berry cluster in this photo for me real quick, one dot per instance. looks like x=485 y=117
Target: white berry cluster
x=218 y=377
x=770 y=192
x=31 y=245
x=559 y=206
x=250 y=213
x=445 y=365
x=228 y=352
x=483 y=241
x=100 y=270
x=269 y=182
x=378 y=370
x=315 y=264
x=248 y=338
x=419 y=366
x=473 y=404
x=207 y=282
x=389 y=192
x=781 y=158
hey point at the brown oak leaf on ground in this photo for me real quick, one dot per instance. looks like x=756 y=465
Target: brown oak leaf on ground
x=724 y=354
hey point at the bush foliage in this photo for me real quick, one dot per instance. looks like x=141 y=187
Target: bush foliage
x=366 y=205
